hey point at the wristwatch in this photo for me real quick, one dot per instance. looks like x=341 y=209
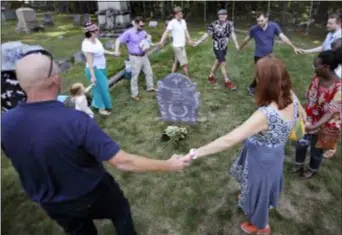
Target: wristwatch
x=193 y=153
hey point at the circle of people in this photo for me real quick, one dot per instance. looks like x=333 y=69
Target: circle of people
x=59 y=152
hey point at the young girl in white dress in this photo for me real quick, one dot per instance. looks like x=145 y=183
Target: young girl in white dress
x=77 y=93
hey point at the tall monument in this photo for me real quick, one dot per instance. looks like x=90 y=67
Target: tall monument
x=113 y=17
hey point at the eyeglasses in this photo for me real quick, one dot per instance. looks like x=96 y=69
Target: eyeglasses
x=43 y=52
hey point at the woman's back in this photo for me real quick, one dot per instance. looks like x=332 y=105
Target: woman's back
x=280 y=123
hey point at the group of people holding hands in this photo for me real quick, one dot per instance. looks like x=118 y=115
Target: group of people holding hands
x=60 y=167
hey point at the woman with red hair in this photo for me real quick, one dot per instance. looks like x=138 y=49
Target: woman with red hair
x=259 y=168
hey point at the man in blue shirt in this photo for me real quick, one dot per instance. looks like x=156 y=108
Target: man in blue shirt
x=59 y=154
x=264 y=33
x=334 y=29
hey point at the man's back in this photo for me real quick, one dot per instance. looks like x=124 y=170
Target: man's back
x=58 y=152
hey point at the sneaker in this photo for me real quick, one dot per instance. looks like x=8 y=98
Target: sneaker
x=230 y=85
x=251 y=91
x=212 y=80
x=104 y=112
x=251 y=229
x=136 y=98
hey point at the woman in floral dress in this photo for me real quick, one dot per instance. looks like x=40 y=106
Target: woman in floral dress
x=259 y=167
x=324 y=114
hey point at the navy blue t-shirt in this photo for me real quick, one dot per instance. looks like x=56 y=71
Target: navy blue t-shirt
x=264 y=39
x=57 y=151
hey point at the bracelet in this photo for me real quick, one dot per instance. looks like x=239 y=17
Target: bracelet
x=193 y=153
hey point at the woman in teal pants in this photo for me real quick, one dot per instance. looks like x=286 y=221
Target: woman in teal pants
x=96 y=69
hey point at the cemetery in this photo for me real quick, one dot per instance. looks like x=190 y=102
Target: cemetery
x=181 y=114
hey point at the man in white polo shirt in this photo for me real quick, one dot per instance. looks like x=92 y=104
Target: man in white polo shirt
x=334 y=28
x=179 y=33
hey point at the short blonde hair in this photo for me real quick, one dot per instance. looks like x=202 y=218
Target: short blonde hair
x=177 y=10
x=76 y=88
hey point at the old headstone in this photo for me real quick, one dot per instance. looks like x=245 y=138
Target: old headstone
x=153 y=24
x=178 y=99
x=110 y=45
x=27 y=20
x=48 y=19
x=76 y=20
x=8 y=14
x=113 y=17
x=79 y=57
x=64 y=64
x=86 y=19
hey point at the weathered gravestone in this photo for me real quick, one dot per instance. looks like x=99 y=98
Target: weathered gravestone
x=178 y=99
x=86 y=19
x=79 y=57
x=27 y=20
x=48 y=20
x=110 y=45
x=153 y=24
x=76 y=20
x=64 y=64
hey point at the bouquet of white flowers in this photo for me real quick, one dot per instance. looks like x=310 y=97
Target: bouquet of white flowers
x=176 y=133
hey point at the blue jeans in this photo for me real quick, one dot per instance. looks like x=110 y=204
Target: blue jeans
x=316 y=154
x=106 y=201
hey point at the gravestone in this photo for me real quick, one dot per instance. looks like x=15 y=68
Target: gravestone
x=8 y=14
x=79 y=57
x=76 y=20
x=48 y=19
x=86 y=19
x=153 y=24
x=64 y=64
x=27 y=20
x=110 y=45
x=113 y=17
x=178 y=99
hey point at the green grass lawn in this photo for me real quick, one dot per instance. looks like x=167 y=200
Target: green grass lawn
x=202 y=200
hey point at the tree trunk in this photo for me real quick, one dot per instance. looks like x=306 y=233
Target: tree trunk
x=309 y=20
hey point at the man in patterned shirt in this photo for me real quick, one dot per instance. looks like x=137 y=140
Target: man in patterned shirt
x=221 y=30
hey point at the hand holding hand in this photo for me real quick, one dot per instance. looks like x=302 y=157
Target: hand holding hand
x=178 y=162
x=117 y=53
x=160 y=44
x=298 y=51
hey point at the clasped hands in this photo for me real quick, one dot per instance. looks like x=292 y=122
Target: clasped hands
x=179 y=162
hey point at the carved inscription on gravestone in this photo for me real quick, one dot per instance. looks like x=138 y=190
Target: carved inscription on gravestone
x=178 y=99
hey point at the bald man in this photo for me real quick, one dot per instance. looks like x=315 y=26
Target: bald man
x=59 y=154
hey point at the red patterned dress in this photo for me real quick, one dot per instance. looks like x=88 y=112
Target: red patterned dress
x=322 y=100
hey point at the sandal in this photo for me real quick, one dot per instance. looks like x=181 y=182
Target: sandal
x=329 y=154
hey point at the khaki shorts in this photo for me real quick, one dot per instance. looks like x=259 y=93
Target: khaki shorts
x=180 y=55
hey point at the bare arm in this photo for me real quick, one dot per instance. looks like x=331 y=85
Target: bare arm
x=255 y=124
x=204 y=37
x=285 y=39
x=89 y=58
x=129 y=162
x=162 y=40
x=235 y=40
x=187 y=34
x=117 y=46
x=109 y=52
x=245 y=41
x=326 y=118
x=318 y=49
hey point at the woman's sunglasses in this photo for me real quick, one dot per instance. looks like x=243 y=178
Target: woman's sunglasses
x=43 y=52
